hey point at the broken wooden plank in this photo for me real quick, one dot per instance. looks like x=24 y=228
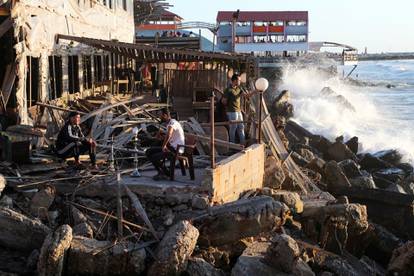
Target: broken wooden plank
x=218 y=142
x=59 y=108
x=140 y=210
x=8 y=82
x=103 y=109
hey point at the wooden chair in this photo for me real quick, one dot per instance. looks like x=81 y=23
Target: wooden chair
x=184 y=155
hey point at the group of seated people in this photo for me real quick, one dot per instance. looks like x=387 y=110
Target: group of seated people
x=71 y=142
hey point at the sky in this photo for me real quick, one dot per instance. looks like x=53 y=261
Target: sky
x=381 y=26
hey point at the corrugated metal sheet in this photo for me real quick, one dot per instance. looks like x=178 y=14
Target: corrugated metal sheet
x=247 y=16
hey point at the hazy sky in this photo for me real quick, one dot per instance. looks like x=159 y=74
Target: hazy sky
x=382 y=26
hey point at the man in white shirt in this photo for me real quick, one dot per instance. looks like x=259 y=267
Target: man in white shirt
x=173 y=138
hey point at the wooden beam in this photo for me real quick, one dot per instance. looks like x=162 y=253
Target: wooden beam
x=4 y=11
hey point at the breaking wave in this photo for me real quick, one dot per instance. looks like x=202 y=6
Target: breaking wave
x=373 y=121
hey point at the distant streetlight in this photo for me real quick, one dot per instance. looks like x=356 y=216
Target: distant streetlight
x=261 y=86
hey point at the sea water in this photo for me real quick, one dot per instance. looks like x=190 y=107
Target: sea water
x=383 y=114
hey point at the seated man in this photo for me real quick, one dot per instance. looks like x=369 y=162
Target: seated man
x=72 y=143
x=173 y=138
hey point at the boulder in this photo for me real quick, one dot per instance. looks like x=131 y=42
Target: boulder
x=306 y=154
x=273 y=173
x=371 y=163
x=335 y=226
x=390 y=156
x=200 y=202
x=402 y=261
x=41 y=201
x=408 y=184
x=353 y=144
x=244 y=218
x=382 y=244
x=251 y=262
x=291 y=199
x=199 y=267
x=320 y=143
x=350 y=168
x=396 y=188
x=173 y=251
x=83 y=229
x=382 y=183
x=89 y=257
x=393 y=175
x=53 y=251
x=20 y=232
x=283 y=253
x=340 y=152
x=317 y=165
x=406 y=167
x=365 y=181
x=335 y=177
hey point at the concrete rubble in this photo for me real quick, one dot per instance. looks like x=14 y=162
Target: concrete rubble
x=323 y=208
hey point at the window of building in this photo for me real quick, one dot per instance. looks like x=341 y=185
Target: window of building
x=296 y=38
x=260 y=39
x=223 y=23
x=73 y=70
x=55 y=77
x=243 y=39
x=276 y=23
x=87 y=72
x=276 y=38
x=32 y=81
x=124 y=5
x=260 y=23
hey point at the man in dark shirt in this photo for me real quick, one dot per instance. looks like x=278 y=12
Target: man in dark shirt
x=231 y=99
x=72 y=143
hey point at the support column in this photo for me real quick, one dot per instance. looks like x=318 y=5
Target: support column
x=44 y=78
x=21 y=89
x=93 y=73
x=81 y=73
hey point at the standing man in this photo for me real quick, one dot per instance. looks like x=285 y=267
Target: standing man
x=231 y=99
x=72 y=143
x=173 y=138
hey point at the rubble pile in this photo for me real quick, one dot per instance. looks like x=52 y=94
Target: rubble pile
x=359 y=222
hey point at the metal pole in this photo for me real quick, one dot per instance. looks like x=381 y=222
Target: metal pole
x=119 y=205
x=212 y=154
x=260 y=116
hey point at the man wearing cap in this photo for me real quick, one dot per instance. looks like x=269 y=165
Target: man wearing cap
x=72 y=143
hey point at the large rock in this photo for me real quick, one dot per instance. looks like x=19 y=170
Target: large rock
x=299 y=159
x=174 y=250
x=408 y=184
x=350 y=168
x=274 y=175
x=353 y=144
x=41 y=202
x=382 y=244
x=244 y=218
x=53 y=251
x=393 y=175
x=402 y=261
x=199 y=267
x=283 y=253
x=317 y=165
x=335 y=226
x=396 y=188
x=335 y=177
x=20 y=232
x=370 y=163
x=255 y=260
x=320 y=143
x=251 y=262
x=83 y=229
x=291 y=199
x=340 y=152
x=89 y=257
x=390 y=156
x=364 y=181
x=306 y=154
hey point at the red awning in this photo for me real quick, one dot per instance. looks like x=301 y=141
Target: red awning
x=266 y=16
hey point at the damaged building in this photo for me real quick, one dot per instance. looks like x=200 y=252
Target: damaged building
x=34 y=68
